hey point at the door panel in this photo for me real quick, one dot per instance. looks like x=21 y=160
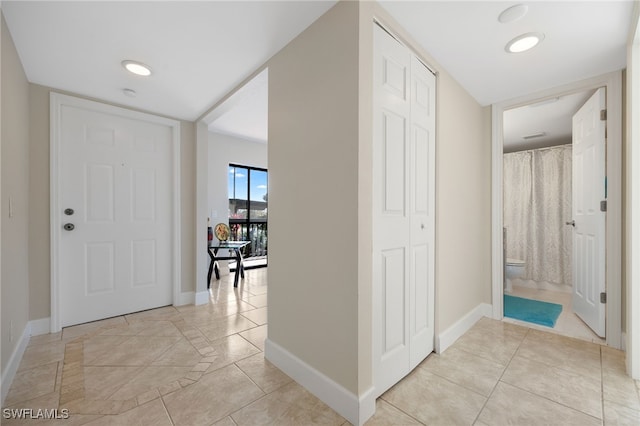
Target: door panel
x=589 y=188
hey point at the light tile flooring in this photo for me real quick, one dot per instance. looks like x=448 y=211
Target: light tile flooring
x=204 y=366
x=568 y=323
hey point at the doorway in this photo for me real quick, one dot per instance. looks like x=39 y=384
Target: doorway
x=613 y=85
x=115 y=239
x=539 y=192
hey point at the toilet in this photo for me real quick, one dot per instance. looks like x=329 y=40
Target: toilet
x=514 y=269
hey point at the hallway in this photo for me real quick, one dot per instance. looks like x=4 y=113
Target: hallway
x=204 y=365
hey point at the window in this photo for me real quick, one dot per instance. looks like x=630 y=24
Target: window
x=248 y=210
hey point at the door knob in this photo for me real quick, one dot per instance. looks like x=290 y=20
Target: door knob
x=68 y=212
x=69 y=227
x=572 y=223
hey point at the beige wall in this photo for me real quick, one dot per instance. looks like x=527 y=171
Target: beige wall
x=14 y=286
x=313 y=209
x=463 y=203
x=39 y=238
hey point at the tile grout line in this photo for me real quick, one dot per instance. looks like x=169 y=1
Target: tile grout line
x=501 y=376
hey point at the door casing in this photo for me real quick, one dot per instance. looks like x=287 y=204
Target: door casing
x=56 y=102
x=613 y=83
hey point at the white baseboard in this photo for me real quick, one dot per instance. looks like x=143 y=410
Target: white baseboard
x=451 y=334
x=14 y=362
x=186 y=298
x=353 y=408
x=40 y=326
x=201 y=297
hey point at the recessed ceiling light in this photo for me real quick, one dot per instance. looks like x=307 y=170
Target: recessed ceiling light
x=513 y=13
x=137 y=68
x=524 y=42
x=129 y=92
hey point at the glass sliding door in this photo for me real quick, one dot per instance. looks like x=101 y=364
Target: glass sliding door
x=248 y=195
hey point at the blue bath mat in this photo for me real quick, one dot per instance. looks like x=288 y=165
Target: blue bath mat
x=535 y=311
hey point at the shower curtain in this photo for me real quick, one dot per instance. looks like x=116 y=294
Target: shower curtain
x=537 y=203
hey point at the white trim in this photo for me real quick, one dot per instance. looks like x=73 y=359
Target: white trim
x=348 y=405
x=56 y=102
x=201 y=297
x=613 y=83
x=40 y=326
x=623 y=345
x=633 y=198
x=10 y=370
x=460 y=327
x=186 y=298
x=202 y=207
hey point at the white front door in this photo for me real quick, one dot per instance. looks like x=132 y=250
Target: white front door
x=403 y=210
x=116 y=217
x=589 y=189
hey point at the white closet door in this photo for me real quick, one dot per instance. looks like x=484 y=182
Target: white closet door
x=402 y=210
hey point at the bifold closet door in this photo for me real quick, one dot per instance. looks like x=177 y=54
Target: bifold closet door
x=403 y=198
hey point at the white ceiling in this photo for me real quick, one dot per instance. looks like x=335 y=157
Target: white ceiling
x=551 y=118
x=200 y=51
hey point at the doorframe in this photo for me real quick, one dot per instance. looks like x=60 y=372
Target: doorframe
x=56 y=102
x=613 y=84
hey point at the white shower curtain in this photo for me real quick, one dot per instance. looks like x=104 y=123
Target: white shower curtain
x=537 y=203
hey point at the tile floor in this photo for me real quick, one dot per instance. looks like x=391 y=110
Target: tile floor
x=568 y=323
x=203 y=365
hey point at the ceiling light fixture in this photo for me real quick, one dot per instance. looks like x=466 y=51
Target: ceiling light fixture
x=524 y=42
x=137 y=68
x=513 y=13
x=534 y=135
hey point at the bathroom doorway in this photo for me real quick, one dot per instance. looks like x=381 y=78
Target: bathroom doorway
x=612 y=82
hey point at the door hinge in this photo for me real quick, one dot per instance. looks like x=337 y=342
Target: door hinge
x=603 y=205
x=603 y=297
x=603 y=114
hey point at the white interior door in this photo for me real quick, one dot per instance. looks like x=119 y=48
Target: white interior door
x=589 y=189
x=115 y=174
x=403 y=210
